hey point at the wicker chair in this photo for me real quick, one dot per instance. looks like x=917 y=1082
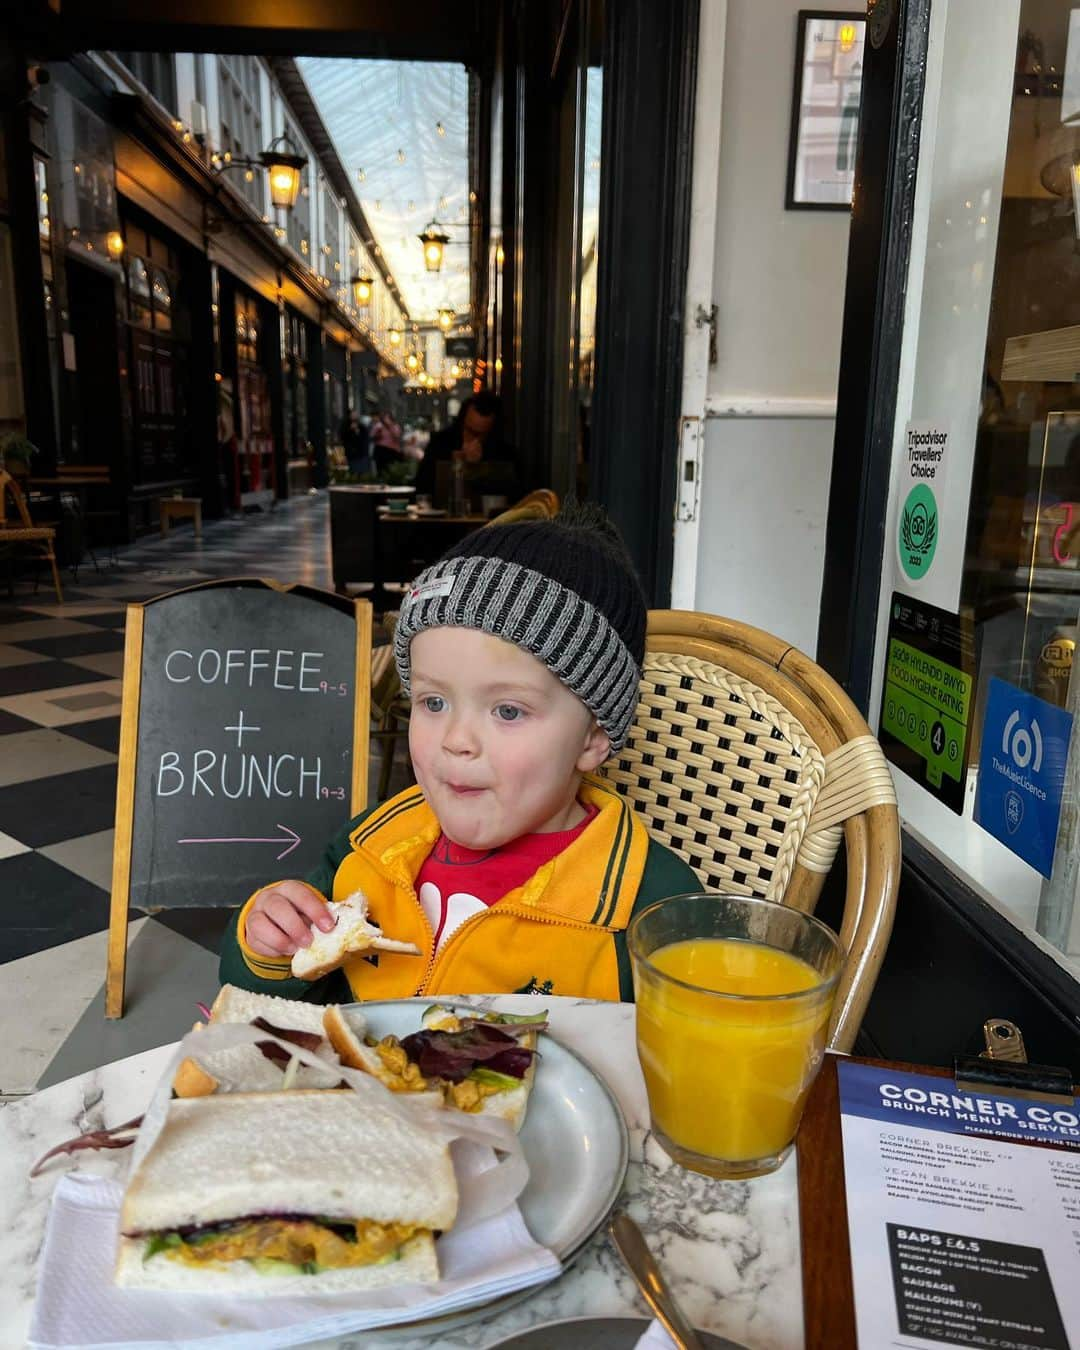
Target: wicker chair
x=751 y=762
x=20 y=529
x=543 y=504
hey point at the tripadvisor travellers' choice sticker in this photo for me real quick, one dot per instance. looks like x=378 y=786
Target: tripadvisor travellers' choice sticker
x=917 y=538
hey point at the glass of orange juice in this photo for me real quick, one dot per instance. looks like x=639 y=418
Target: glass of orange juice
x=733 y=999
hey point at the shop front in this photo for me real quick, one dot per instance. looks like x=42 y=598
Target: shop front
x=961 y=641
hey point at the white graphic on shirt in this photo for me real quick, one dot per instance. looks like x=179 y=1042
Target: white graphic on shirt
x=446 y=916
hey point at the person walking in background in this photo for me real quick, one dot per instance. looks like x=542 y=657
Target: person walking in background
x=475 y=438
x=354 y=439
x=385 y=440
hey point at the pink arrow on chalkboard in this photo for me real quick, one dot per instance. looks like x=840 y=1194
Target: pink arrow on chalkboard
x=286 y=833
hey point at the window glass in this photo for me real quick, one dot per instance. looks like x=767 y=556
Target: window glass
x=139 y=293
x=241 y=124
x=976 y=683
x=162 y=292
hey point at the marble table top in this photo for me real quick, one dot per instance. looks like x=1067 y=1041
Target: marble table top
x=730 y=1250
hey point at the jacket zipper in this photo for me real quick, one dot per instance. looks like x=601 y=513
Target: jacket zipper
x=436 y=956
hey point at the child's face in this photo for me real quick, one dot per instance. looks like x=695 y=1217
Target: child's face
x=498 y=743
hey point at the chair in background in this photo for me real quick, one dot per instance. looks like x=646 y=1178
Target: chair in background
x=751 y=762
x=20 y=529
x=389 y=706
x=90 y=489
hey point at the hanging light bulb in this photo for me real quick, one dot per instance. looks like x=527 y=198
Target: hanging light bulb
x=847 y=37
x=412 y=361
x=440 y=129
x=360 y=175
x=362 y=285
x=434 y=242
x=446 y=318
x=114 y=242
x=395 y=337
x=284 y=168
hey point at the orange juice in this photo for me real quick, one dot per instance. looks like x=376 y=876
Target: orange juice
x=727 y=1076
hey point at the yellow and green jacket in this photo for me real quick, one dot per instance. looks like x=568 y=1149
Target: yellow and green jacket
x=562 y=932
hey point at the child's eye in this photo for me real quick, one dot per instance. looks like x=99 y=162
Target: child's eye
x=508 y=712
x=434 y=703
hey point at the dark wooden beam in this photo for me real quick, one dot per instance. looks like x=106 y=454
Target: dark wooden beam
x=879 y=247
x=422 y=30
x=649 y=81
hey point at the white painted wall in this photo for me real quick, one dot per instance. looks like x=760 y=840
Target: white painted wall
x=779 y=288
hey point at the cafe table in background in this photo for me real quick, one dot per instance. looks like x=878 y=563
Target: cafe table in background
x=730 y=1250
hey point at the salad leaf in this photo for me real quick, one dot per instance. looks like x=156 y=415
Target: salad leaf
x=159 y=1241
x=306 y=1040
x=494 y=1079
x=452 y=1055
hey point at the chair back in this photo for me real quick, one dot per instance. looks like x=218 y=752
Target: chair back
x=543 y=504
x=750 y=761
x=9 y=487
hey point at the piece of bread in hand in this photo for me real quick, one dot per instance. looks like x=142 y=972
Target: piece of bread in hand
x=245 y=1068
x=352 y=933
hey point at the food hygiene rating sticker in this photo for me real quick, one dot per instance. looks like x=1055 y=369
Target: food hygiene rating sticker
x=918 y=530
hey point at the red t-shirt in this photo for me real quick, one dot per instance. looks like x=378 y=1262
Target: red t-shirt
x=455 y=883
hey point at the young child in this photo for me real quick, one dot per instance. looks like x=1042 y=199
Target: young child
x=509 y=864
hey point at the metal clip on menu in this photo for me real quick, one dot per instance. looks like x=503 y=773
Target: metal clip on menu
x=1004 y=1065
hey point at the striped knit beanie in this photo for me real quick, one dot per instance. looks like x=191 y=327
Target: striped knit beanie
x=564 y=590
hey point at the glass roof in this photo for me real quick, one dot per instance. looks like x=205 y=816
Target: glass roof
x=401 y=128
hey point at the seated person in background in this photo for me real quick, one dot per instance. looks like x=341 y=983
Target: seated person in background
x=509 y=865
x=475 y=437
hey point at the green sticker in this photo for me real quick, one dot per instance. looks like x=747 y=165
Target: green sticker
x=918 y=532
x=925 y=706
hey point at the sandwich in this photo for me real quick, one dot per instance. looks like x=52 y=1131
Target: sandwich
x=285 y=1193
x=352 y=934
x=260 y=1067
x=482 y=1064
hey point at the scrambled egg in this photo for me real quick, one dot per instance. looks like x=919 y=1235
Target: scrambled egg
x=401 y=1075
x=468 y=1095
x=299 y=1241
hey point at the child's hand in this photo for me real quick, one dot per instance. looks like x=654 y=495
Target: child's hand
x=280 y=920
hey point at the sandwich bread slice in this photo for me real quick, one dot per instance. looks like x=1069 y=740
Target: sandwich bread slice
x=383 y=1059
x=285 y=1193
x=249 y=1068
x=352 y=933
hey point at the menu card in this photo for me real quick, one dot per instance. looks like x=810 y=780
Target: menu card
x=961 y=1233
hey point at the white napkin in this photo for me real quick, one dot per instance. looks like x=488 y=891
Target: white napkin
x=78 y=1304
x=656 y=1338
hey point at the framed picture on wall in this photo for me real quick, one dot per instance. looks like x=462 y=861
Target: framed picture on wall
x=825 y=110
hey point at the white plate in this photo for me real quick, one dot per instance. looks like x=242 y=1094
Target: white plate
x=598 y=1333
x=574 y=1139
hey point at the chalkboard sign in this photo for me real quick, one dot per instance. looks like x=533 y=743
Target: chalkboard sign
x=243 y=744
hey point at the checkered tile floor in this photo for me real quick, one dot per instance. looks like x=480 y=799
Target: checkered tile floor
x=60 y=687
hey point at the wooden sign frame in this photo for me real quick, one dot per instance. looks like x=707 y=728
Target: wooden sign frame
x=119 y=904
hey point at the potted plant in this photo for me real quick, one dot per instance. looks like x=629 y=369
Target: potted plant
x=16 y=452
